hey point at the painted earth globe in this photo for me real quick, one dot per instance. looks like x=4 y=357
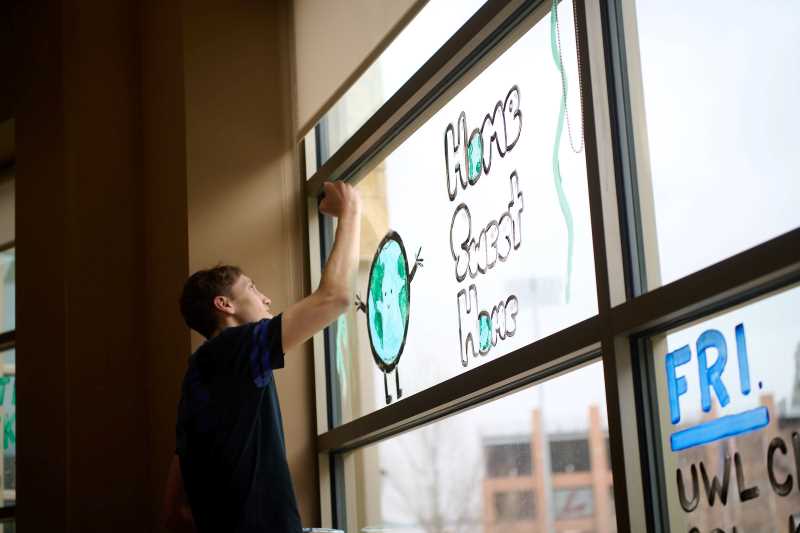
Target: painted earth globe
x=388 y=301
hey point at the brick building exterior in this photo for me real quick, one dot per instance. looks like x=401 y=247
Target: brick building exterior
x=517 y=489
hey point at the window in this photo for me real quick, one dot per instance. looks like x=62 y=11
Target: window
x=570 y=455
x=729 y=409
x=508 y=460
x=484 y=467
x=489 y=263
x=574 y=502
x=536 y=391
x=514 y=506
x=719 y=101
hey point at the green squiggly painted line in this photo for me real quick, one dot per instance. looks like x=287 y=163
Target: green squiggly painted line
x=562 y=198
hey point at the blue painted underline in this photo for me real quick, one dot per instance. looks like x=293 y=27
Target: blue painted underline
x=720 y=428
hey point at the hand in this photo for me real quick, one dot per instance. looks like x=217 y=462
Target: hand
x=340 y=199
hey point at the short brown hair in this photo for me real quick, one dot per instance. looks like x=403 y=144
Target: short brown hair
x=199 y=291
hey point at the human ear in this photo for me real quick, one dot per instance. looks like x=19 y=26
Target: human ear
x=222 y=303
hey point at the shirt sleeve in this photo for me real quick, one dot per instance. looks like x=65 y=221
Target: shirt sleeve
x=267 y=353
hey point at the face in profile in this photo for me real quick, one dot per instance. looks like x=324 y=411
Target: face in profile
x=248 y=304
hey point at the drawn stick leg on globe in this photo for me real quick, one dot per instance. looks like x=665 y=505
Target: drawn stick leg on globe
x=387 y=305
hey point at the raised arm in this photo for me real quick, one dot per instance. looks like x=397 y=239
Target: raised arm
x=332 y=298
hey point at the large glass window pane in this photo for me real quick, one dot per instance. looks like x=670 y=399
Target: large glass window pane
x=444 y=477
x=7 y=290
x=427 y=32
x=728 y=391
x=720 y=107
x=476 y=235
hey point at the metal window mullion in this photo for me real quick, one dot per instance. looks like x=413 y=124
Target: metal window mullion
x=608 y=260
x=633 y=148
x=321 y=143
x=624 y=150
x=544 y=358
x=624 y=379
x=653 y=481
x=764 y=268
x=326 y=476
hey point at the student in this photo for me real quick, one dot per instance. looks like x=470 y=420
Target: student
x=229 y=471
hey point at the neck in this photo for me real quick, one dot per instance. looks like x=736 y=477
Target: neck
x=226 y=322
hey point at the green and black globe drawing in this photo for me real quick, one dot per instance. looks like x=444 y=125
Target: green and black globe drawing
x=388 y=304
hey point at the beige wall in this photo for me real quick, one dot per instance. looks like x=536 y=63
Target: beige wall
x=6 y=210
x=333 y=40
x=245 y=204
x=152 y=138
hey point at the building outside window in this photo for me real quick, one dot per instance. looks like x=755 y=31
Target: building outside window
x=508 y=459
x=570 y=455
x=514 y=506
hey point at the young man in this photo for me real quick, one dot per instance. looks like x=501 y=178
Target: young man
x=229 y=472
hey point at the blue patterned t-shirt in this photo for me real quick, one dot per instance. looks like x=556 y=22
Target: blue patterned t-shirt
x=230 y=434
